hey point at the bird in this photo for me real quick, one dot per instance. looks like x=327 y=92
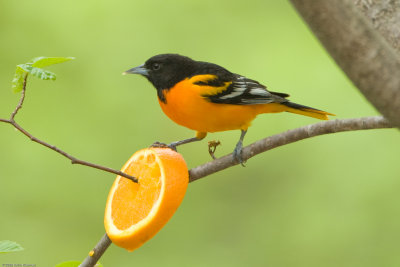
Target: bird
x=207 y=98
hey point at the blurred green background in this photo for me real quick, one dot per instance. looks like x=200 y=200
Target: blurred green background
x=326 y=201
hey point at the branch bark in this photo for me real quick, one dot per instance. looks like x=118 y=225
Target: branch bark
x=361 y=52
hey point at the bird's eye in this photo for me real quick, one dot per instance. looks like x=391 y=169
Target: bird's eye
x=156 y=66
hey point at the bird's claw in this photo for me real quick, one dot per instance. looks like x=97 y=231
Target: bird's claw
x=237 y=154
x=212 y=146
x=163 y=145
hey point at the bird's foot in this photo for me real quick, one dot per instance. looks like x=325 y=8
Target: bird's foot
x=212 y=146
x=237 y=154
x=163 y=145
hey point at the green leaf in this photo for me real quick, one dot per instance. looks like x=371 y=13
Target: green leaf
x=38 y=72
x=35 y=68
x=9 y=246
x=74 y=264
x=41 y=62
x=43 y=74
x=18 y=80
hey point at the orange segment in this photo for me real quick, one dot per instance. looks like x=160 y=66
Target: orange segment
x=135 y=212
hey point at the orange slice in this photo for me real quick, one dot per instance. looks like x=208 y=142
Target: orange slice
x=135 y=212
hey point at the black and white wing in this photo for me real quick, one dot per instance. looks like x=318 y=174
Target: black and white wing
x=244 y=91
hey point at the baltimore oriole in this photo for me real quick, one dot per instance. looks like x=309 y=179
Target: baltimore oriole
x=206 y=97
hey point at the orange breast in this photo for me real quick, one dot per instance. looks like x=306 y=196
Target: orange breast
x=186 y=106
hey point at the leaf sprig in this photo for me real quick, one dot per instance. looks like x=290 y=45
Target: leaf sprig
x=34 y=67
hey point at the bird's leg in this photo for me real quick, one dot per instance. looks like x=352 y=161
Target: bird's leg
x=173 y=145
x=237 y=153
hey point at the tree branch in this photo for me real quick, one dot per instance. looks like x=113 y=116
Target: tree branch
x=290 y=136
x=274 y=141
x=360 y=51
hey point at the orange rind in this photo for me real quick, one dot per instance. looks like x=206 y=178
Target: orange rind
x=135 y=212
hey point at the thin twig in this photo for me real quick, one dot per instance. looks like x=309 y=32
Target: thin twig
x=72 y=158
x=54 y=148
x=65 y=154
x=274 y=141
x=21 y=100
x=97 y=252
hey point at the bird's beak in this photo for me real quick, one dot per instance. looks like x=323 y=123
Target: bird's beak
x=138 y=70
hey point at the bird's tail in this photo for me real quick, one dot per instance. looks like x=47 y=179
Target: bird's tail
x=306 y=111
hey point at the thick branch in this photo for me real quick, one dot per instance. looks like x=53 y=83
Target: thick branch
x=361 y=52
x=288 y=137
